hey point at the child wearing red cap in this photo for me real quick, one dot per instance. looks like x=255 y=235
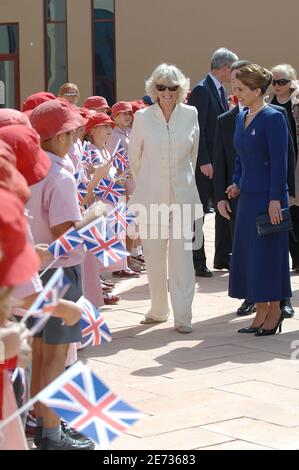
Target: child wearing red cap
x=98 y=131
x=98 y=104
x=122 y=114
x=54 y=209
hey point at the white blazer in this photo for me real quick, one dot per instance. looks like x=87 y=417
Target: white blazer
x=163 y=156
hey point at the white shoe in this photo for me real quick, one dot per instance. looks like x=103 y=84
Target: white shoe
x=183 y=329
x=148 y=320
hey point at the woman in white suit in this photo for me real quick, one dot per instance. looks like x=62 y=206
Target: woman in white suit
x=162 y=152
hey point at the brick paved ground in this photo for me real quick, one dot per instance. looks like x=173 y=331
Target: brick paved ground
x=212 y=389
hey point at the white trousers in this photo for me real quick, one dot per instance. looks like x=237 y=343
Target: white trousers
x=158 y=253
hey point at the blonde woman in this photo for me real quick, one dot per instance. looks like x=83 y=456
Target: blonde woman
x=286 y=94
x=70 y=92
x=162 y=152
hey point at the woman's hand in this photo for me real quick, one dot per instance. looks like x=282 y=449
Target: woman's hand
x=232 y=191
x=207 y=170
x=275 y=212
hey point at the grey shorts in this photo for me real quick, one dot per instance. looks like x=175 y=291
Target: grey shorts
x=54 y=332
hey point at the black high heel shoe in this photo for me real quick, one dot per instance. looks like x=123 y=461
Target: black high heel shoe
x=278 y=327
x=250 y=329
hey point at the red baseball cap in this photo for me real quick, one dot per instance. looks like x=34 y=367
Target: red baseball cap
x=137 y=105
x=121 y=107
x=10 y=117
x=99 y=119
x=55 y=117
x=86 y=113
x=7 y=153
x=32 y=101
x=18 y=260
x=96 y=102
x=32 y=161
x=12 y=180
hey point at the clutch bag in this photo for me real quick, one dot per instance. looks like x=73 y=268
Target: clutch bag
x=264 y=226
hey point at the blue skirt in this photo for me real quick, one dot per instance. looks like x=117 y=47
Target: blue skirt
x=259 y=270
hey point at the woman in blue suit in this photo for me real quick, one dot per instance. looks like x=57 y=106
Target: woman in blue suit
x=260 y=264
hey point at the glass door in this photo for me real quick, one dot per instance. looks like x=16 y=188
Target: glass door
x=8 y=85
x=9 y=66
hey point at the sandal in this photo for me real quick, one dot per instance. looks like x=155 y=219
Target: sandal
x=129 y=273
x=110 y=299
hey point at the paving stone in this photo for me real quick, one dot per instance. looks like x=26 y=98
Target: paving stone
x=258 y=432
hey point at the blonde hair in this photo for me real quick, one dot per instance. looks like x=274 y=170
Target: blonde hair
x=168 y=75
x=254 y=76
x=287 y=69
x=66 y=86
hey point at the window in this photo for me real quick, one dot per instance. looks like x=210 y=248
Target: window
x=104 y=49
x=9 y=66
x=55 y=44
x=9 y=41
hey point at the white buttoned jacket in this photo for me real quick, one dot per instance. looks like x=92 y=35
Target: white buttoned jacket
x=163 y=156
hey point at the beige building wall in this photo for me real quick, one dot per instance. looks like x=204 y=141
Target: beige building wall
x=150 y=32
x=29 y=15
x=80 y=57
x=187 y=32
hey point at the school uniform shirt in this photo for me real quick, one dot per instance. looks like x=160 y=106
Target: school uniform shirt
x=75 y=155
x=53 y=202
x=119 y=134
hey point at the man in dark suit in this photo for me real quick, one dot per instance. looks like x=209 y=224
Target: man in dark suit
x=224 y=165
x=209 y=97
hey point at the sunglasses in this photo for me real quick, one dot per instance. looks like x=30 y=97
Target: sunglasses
x=164 y=87
x=280 y=82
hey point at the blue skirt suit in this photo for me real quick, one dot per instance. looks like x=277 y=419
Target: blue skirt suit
x=260 y=264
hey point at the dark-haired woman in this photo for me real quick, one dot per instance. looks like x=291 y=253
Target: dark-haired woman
x=260 y=264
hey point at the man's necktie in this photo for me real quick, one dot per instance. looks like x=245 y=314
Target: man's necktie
x=223 y=99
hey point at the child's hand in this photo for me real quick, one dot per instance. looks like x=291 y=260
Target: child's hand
x=68 y=311
x=24 y=354
x=43 y=252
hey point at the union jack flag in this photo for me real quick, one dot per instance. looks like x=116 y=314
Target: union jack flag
x=85 y=158
x=121 y=157
x=94 y=329
x=90 y=154
x=66 y=243
x=55 y=288
x=95 y=156
x=88 y=405
x=81 y=191
x=110 y=191
x=100 y=239
x=120 y=217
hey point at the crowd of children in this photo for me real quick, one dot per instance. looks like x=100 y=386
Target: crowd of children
x=47 y=151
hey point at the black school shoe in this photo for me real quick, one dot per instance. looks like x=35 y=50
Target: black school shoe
x=66 y=429
x=66 y=443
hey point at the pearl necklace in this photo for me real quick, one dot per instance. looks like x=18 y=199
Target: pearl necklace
x=257 y=111
x=283 y=102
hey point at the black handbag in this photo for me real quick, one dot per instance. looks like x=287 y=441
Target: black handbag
x=264 y=226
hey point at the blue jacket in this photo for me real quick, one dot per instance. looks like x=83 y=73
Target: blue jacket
x=262 y=153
